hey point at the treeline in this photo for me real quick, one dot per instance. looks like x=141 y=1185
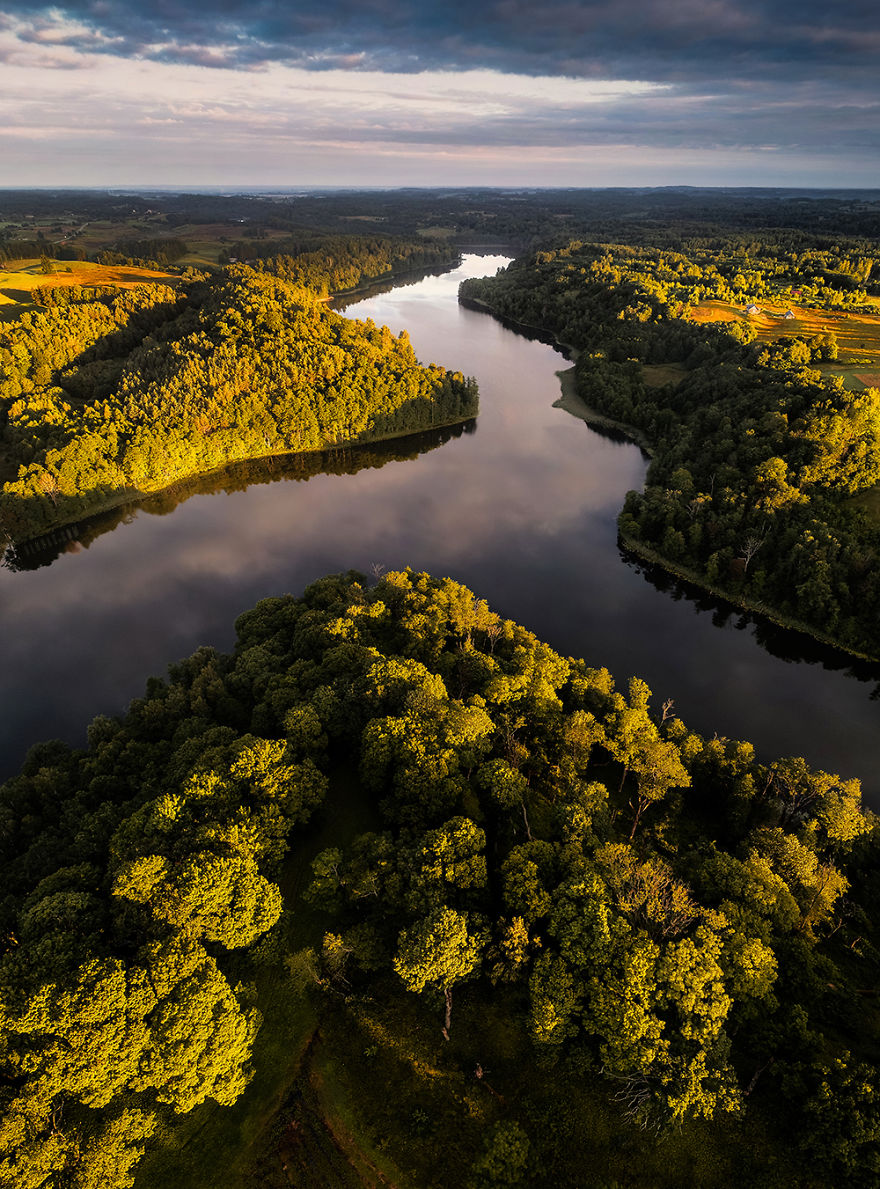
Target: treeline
x=152 y=253
x=156 y=253
x=23 y=249
x=647 y=910
x=73 y=295
x=126 y=393
x=667 y=215
x=329 y=264
x=756 y=453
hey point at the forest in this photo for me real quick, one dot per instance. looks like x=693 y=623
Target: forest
x=392 y=841
x=568 y=936
x=249 y=225
x=109 y=393
x=759 y=452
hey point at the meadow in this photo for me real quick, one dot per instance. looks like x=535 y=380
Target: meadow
x=17 y=284
x=857 y=334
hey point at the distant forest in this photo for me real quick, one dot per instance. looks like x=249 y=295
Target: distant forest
x=518 y=219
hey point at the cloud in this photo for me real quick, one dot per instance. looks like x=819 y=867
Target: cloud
x=661 y=40
x=166 y=91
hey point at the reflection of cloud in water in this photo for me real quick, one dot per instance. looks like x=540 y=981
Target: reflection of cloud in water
x=523 y=510
x=92 y=626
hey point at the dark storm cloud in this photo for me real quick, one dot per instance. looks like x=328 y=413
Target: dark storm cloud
x=781 y=90
x=664 y=40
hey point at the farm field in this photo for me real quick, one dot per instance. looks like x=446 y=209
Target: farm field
x=858 y=335
x=17 y=285
x=207 y=240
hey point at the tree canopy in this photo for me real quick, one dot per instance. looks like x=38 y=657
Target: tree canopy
x=720 y=943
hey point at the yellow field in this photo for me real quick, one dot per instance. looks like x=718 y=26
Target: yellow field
x=858 y=335
x=17 y=285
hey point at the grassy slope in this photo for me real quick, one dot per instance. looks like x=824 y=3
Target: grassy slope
x=858 y=335
x=17 y=285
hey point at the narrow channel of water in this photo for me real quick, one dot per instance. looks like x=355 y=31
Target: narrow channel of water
x=522 y=509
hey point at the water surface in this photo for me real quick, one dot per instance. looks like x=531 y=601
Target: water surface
x=522 y=510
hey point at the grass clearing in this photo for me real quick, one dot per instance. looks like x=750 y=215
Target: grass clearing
x=868 y=501
x=655 y=375
x=203 y=253
x=433 y=1118
x=17 y=285
x=207 y=240
x=218 y=1147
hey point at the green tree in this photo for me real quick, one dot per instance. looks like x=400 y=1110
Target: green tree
x=437 y=953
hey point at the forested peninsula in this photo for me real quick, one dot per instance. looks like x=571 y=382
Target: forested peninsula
x=107 y=394
x=395 y=840
x=765 y=449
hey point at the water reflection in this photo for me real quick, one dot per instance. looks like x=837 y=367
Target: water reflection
x=524 y=511
x=71 y=538
x=786 y=645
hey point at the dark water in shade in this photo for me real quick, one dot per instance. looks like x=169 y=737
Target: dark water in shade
x=522 y=510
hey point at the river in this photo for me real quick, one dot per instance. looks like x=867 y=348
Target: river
x=522 y=509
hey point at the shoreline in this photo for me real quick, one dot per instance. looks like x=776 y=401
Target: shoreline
x=646 y=553
x=386 y=277
x=573 y=403
x=570 y=401
x=137 y=495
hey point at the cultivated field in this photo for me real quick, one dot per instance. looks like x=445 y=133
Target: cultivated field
x=858 y=335
x=207 y=240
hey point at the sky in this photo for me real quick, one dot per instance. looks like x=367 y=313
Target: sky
x=252 y=93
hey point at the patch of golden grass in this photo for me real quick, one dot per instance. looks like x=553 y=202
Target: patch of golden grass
x=858 y=335
x=17 y=285
x=436 y=232
x=29 y=275
x=716 y=311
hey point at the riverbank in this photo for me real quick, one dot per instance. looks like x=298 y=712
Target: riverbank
x=633 y=545
x=573 y=403
x=135 y=496
x=271 y=377
x=570 y=401
x=365 y=287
